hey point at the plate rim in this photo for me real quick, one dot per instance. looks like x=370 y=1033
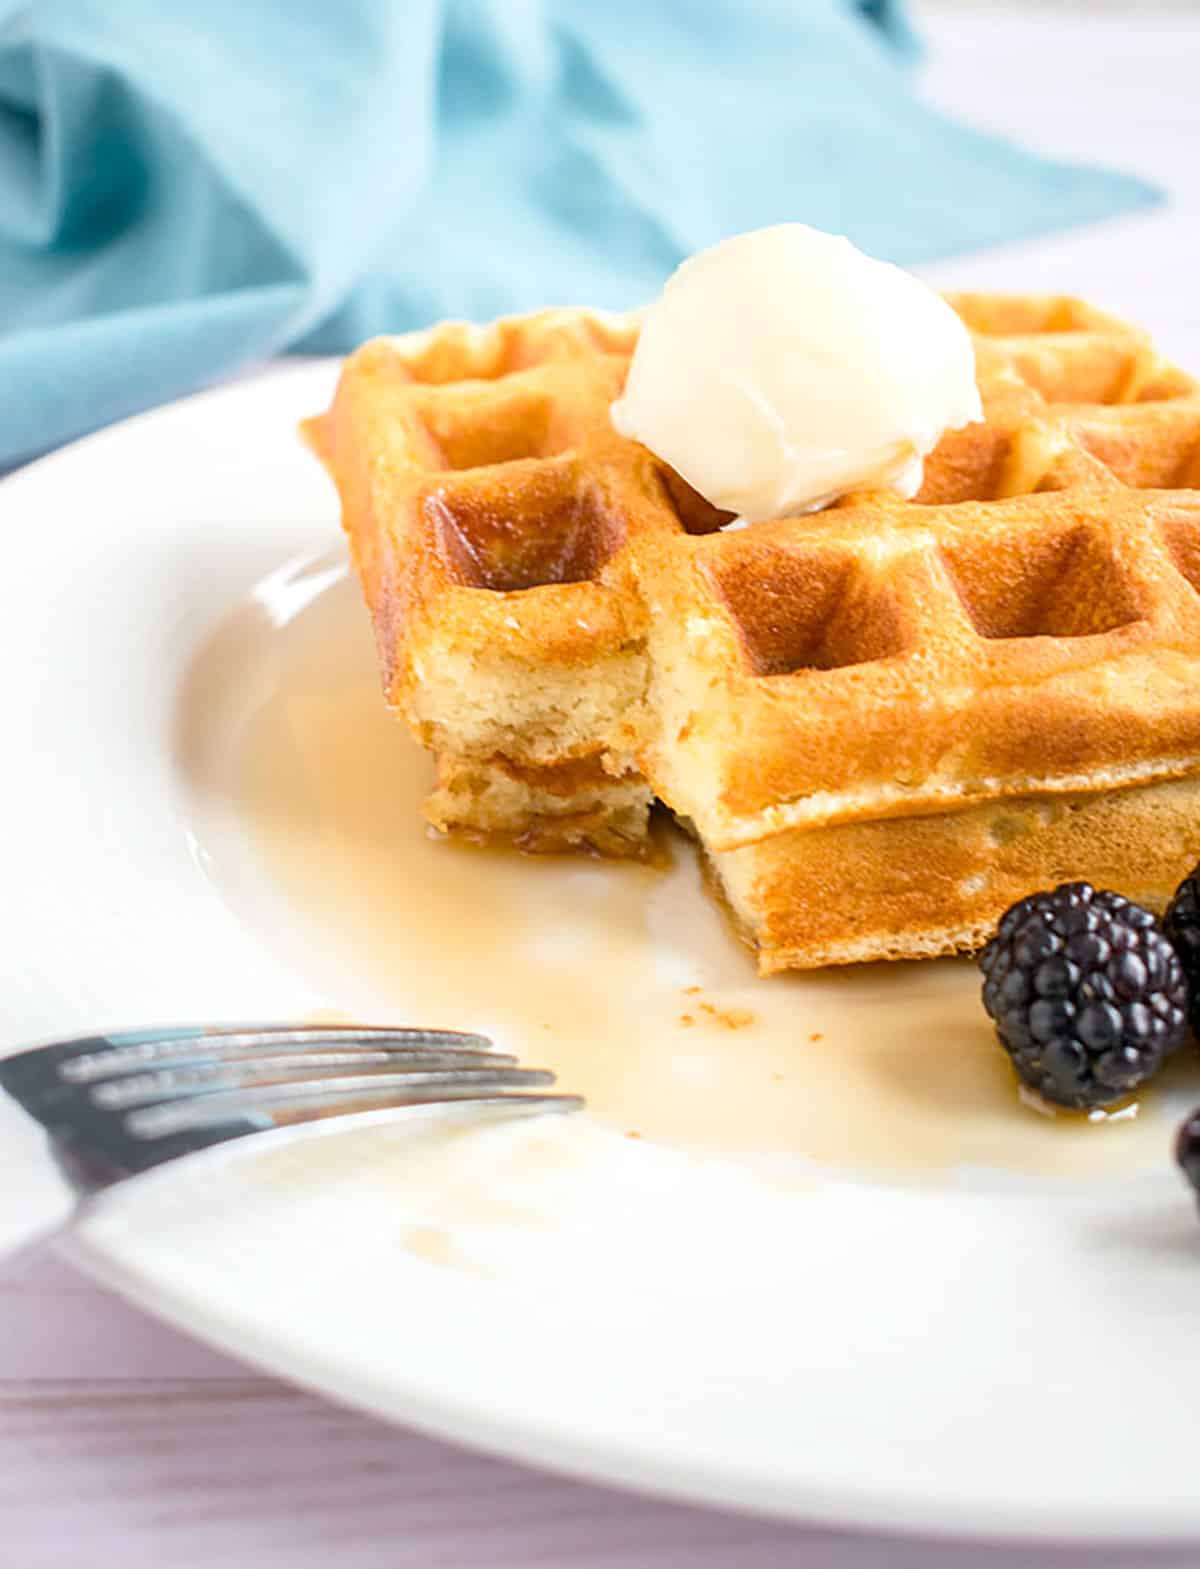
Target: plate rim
x=849 y=1510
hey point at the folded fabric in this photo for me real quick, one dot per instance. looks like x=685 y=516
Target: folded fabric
x=184 y=189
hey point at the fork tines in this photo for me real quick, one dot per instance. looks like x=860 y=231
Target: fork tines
x=109 y=1091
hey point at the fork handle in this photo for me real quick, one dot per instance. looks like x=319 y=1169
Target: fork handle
x=36 y=1199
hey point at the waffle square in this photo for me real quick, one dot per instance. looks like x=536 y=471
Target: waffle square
x=884 y=721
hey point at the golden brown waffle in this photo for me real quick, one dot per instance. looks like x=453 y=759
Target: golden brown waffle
x=884 y=721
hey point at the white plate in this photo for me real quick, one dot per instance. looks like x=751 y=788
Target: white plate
x=844 y=1278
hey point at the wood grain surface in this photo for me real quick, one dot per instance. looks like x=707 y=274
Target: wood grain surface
x=123 y=1443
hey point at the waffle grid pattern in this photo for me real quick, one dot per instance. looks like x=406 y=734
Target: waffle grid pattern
x=1030 y=623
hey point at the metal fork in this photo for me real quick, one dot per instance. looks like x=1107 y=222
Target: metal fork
x=79 y=1116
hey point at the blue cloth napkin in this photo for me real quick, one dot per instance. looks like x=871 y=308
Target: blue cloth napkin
x=187 y=187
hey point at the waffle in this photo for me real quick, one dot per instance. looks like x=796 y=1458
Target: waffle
x=882 y=722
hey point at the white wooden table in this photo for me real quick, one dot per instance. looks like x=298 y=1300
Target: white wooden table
x=123 y=1443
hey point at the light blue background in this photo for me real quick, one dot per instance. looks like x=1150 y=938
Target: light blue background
x=186 y=187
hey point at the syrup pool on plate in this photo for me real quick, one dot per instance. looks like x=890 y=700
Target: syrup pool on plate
x=624 y=978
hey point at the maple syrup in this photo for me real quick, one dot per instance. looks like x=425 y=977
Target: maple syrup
x=624 y=978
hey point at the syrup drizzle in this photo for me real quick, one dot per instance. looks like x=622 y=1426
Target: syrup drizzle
x=622 y=977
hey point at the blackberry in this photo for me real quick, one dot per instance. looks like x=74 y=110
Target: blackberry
x=1087 y=995
x=1182 y=925
x=1187 y=1150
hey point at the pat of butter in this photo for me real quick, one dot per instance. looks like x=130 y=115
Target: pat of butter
x=782 y=368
